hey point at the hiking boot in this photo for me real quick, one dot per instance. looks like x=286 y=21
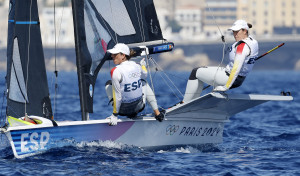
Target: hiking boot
x=161 y=116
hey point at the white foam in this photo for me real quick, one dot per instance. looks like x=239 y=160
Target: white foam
x=107 y=144
x=186 y=150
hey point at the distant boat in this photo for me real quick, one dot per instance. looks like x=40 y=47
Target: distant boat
x=98 y=26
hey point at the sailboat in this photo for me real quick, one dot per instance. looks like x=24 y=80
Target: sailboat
x=98 y=26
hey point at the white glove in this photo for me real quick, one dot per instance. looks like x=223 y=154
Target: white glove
x=220 y=89
x=113 y=120
x=143 y=62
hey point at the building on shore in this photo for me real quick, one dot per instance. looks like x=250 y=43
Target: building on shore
x=63 y=31
x=268 y=17
x=218 y=17
x=181 y=20
x=271 y=17
x=4 y=4
x=189 y=18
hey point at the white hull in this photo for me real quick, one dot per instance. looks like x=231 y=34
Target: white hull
x=200 y=121
x=147 y=132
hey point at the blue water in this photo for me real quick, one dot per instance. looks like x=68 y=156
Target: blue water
x=261 y=141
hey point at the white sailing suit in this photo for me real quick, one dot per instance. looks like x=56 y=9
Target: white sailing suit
x=242 y=57
x=128 y=88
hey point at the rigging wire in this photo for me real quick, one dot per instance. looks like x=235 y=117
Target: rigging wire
x=28 y=54
x=151 y=80
x=223 y=40
x=55 y=59
x=143 y=37
x=142 y=31
x=159 y=68
x=56 y=43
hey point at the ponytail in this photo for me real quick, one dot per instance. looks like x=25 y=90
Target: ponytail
x=132 y=53
x=249 y=25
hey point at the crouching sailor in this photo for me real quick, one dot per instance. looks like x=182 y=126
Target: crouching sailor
x=127 y=89
x=242 y=56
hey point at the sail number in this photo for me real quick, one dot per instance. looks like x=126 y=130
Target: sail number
x=34 y=141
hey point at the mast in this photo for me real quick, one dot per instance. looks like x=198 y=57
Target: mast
x=79 y=61
x=96 y=31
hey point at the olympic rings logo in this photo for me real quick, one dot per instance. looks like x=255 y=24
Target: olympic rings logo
x=172 y=129
x=134 y=75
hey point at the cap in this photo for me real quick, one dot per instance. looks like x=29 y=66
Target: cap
x=120 y=48
x=238 y=25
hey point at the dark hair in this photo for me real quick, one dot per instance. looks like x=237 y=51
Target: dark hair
x=249 y=25
x=132 y=53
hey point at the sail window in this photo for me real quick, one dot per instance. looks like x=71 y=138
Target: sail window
x=115 y=14
x=17 y=88
x=97 y=37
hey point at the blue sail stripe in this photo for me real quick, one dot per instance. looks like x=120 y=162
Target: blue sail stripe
x=23 y=22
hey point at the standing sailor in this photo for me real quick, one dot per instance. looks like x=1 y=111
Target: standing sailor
x=242 y=56
x=128 y=89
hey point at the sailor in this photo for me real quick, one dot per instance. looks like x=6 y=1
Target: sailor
x=242 y=56
x=128 y=89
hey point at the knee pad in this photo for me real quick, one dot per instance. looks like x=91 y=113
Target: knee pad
x=108 y=83
x=193 y=74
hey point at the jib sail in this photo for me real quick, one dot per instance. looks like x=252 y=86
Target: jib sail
x=98 y=26
x=26 y=73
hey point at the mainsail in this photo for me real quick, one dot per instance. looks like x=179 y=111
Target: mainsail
x=26 y=73
x=98 y=26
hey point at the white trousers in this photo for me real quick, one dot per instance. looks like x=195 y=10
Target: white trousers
x=214 y=76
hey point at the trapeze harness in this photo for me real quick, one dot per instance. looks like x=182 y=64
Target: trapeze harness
x=242 y=57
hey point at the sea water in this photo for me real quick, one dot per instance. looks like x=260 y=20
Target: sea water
x=263 y=140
